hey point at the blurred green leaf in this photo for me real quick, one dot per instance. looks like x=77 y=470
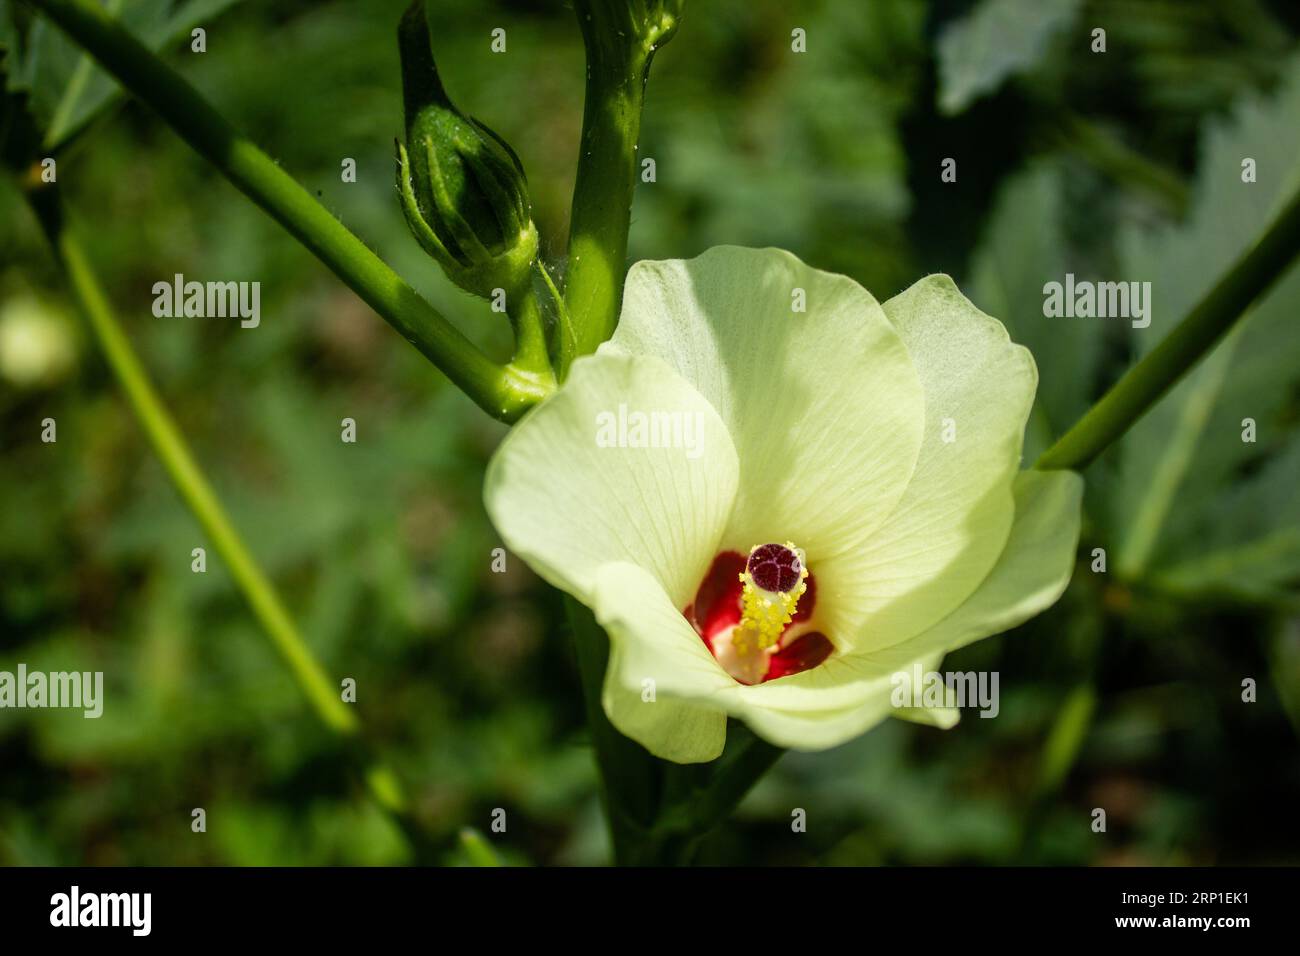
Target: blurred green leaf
x=798 y=151
x=476 y=849
x=1249 y=547
x=1186 y=461
x=1066 y=737
x=67 y=88
x=996 y=40
x=1023 y=246
x=18 y=132
x=1185 y=58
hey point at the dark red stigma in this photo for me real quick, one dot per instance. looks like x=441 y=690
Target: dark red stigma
x=774 y=568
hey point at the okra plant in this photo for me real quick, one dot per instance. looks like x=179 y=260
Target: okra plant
x=772 y=499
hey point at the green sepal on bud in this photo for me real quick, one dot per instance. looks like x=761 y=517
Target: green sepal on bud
x=462 y=187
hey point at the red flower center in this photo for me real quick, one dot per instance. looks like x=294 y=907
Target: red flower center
x=718 y=608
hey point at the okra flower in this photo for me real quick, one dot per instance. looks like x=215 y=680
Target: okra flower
x=771 y=511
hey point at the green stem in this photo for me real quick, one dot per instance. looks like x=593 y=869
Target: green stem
x=1134 y=394
x=566 y=345
x=630 y=777
x=620 y=44
x=602 y=211
x=503 y=391
x=659 y=811
x=169 y=445
x=745 y=761
x=530 y=333
x=193 y=487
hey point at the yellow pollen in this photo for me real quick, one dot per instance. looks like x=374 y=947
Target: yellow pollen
x=764 y=614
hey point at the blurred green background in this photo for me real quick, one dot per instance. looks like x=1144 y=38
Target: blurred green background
x=1124 y=165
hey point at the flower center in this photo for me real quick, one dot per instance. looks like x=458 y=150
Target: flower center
x=773 y=581
x=753 y=613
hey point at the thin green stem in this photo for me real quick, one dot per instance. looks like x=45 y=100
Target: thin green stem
x=1134 y=394
x=175 y=456
x=505 y=392
x=169 y=445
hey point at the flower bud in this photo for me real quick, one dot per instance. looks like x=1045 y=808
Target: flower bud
x=463 y=189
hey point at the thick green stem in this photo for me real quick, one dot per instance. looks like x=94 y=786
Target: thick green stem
x=630 y=777
x=1134 y=394
x=620 y=44
x=659 y=811
x=170 y=447
x=504 y=392
x=602 y=209
x=745 y=761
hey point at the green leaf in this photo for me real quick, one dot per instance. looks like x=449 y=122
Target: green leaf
x=1066 y=737
x=998 y=39
x=1248 y=547
x=1024 y=245
x=67 y=89
x=1194 y=500
x=18 y=132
